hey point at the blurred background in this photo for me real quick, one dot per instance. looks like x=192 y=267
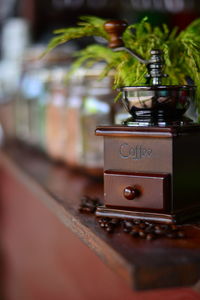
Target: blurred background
x=38 y=106
x=41 y=111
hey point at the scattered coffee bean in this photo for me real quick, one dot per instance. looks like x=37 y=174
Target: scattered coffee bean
x=88 y=204
x=127 y=230
x=165 y=227
x=180 y=234
x=147 y=223
x=142 y=225
x=109 y=230
x=150 y=236
x=128 y=224
x=171 y=235
x=134 y=231
x=148 y=230
x=137 y=222
x=174 y=227
x=136 y=228
x=158 y=231
x=142 y=234
x=144 y=230
x=108 y=224
x=102 y=225
x=115 y=221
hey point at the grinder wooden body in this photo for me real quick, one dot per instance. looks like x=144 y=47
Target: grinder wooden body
x=151 y=173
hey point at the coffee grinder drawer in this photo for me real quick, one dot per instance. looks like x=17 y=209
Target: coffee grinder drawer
x=137 y=190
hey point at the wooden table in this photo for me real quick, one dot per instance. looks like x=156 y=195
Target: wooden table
x=44 y=237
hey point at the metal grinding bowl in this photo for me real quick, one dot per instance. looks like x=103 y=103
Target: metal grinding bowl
x=151 y=105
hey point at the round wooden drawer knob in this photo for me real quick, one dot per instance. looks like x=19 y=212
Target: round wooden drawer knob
x=130 y=193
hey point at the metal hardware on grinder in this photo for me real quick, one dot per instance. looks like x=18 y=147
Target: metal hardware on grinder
x=136 y=228
x=130 y=193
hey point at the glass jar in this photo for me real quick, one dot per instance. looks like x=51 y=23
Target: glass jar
x=40 y=81
x=22 y=117
x=32 y=98
x=7 y=114
x=32 y=90
x=97 y=109
x=55 y=131
x=15 y=38
x=73 y=151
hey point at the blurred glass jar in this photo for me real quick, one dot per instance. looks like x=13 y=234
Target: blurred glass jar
x=15 y=38
x=7 y=114
x=55 y=131
x=73 y=152
x=21 y=116
x=97 y=109
x=30 y=88
x=29 y=103
x=35 y=89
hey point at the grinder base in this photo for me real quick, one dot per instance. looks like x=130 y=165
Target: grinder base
x=178 y=218
x=151 y=173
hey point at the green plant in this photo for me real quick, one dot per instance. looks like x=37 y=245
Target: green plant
x=181 y=51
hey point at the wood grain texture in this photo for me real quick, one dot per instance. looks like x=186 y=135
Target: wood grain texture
x=44 y=260
x=142 y=264
x=173 y=150
x=151 y=189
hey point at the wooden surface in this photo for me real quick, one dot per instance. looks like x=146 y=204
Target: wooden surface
x=42 y=259
x=161 y=263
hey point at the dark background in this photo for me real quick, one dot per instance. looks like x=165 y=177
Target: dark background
x=46 y=15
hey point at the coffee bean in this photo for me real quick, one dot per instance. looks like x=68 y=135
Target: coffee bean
x=171 y=235
x=86 y=209
x=109 y=229
x=128 y=224
x=165 y=227
x=147 y=223
x=180 y=234
x=89 y=204
x=150 y=237
x=158 y=231
x=174 y=227
x=148 y=230
x=115 y=221
x=136 y=222
x=127 y=230
x=158 y=227
x=105 y=220
x=142 y=234
x=102 y=225
x=134 y=231
x=142 y=225
x=97 y=202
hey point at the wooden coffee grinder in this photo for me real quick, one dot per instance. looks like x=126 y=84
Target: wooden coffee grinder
x=152 y=161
